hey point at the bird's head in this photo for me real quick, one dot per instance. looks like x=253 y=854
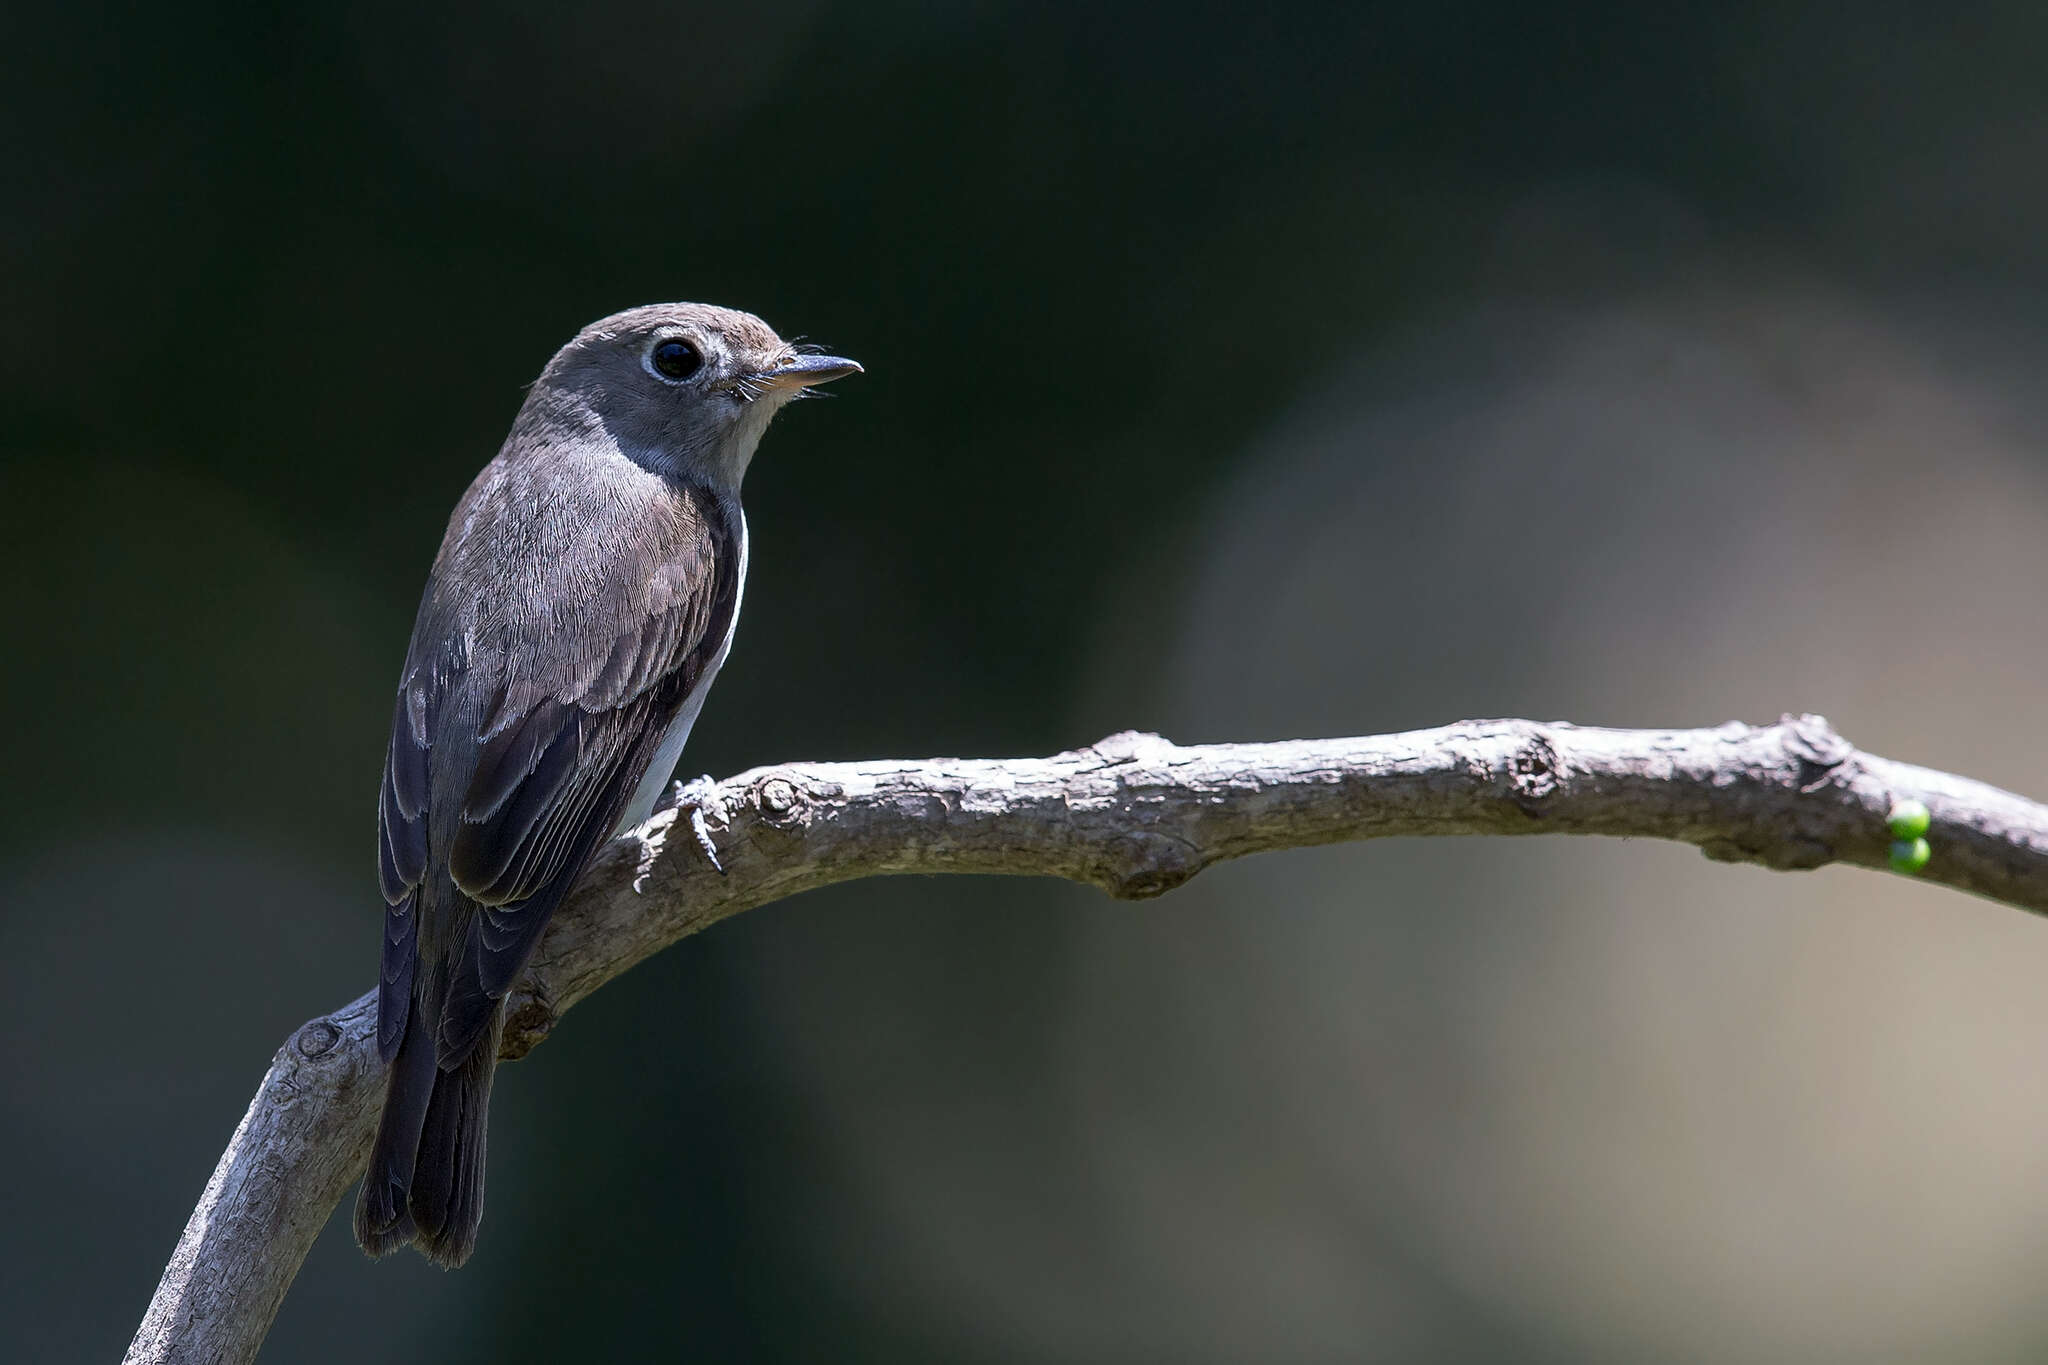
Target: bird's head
x=683 y=388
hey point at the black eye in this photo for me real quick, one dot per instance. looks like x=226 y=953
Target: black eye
x=677 y=359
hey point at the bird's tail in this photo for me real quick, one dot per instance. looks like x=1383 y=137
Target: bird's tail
x=426 y=1180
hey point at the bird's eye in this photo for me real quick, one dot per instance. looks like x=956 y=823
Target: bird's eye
x=677 y=359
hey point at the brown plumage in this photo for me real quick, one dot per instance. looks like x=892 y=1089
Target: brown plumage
x=582 y=602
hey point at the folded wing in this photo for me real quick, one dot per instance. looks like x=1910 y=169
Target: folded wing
x=559 y=732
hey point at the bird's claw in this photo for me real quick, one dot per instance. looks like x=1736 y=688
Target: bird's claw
x=696 y=796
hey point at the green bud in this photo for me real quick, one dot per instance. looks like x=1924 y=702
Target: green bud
x=1909 y=820
x=1910 y=855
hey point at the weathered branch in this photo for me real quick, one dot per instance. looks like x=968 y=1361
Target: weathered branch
x=1133 y=815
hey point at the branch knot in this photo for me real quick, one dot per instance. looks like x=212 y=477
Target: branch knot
x=1144 y=865
x=1133 y=746
x=1816 y=747
x=318 y=1038
x=1533 y=773
x=530 y=1018
x=778 y=797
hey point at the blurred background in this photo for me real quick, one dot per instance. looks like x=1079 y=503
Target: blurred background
x=1234 y=375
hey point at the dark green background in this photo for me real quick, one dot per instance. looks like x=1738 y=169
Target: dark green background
x=275 y=280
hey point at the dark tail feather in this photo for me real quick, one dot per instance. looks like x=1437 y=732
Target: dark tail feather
x=447 y=1202
x=426 y=1179
x=383 y=1222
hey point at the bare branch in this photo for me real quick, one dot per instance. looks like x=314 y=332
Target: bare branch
x=1133 y=815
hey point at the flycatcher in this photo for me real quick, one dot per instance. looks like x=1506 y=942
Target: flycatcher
x=583 y=599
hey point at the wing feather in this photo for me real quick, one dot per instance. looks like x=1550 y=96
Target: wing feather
x=400 y=959
x=556 y=741
x=401 y=861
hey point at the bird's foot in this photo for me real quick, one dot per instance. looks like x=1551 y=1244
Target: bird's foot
x=697 y=796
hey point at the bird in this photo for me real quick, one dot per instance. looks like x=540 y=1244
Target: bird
x=582 y=602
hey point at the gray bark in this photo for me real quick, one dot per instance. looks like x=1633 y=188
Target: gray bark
x=1133 y=815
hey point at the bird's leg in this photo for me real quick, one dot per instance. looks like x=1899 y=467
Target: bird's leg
x=697 y=796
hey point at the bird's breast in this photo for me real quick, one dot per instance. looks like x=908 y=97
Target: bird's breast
x=663 y=765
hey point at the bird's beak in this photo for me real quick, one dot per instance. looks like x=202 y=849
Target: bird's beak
x=801 y=372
